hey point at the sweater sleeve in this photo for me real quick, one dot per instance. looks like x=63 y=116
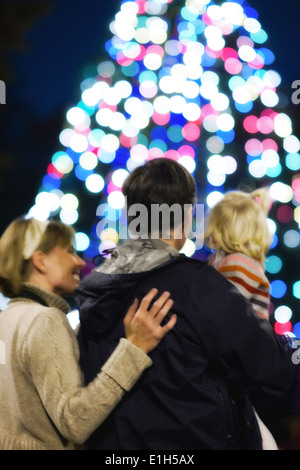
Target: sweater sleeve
x=248 y=277
x=52 y=357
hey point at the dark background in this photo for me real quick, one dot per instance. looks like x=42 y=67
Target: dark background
x=47 y=47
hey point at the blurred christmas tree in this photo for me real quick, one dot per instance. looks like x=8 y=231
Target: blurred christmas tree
x=193 y=81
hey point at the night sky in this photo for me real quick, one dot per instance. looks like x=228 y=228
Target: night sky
x=44 y=77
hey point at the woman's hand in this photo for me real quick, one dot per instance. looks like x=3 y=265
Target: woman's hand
x=143 y=325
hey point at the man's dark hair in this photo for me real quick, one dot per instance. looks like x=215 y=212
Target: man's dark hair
x=160 y=181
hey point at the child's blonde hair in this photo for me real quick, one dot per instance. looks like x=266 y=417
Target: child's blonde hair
x=15 y=260
x=238 y=223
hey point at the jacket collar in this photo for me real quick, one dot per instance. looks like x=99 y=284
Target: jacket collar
x=136 y=256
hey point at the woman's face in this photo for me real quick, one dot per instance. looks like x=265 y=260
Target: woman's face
x=63 y=268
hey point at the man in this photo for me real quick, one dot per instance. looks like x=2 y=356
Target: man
x=219 y=359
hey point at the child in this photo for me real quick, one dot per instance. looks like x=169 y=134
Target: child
x=238 y=233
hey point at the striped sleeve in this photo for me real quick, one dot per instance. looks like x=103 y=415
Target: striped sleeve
x=249 y=278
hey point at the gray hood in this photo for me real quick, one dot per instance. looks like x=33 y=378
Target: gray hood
x=136 y=256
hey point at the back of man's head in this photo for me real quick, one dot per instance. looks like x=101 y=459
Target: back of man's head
x=160 y=182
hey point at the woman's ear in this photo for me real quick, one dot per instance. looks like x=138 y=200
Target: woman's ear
x=39 y=261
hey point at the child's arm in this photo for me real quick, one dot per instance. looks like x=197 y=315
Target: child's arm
x=249 y=278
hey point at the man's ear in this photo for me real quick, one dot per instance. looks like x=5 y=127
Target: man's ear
x=39 y=261
x=188 y=219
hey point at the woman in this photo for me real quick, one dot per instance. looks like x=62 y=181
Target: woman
x=43 y=403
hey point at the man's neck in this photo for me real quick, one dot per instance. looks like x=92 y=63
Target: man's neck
x=174 y=242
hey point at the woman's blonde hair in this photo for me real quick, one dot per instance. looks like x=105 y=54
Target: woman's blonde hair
x=14 y=262
x=238 y=223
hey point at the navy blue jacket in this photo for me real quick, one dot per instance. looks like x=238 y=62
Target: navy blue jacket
x=218 y=357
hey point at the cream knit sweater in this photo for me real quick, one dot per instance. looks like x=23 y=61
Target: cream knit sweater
x=43 y=403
